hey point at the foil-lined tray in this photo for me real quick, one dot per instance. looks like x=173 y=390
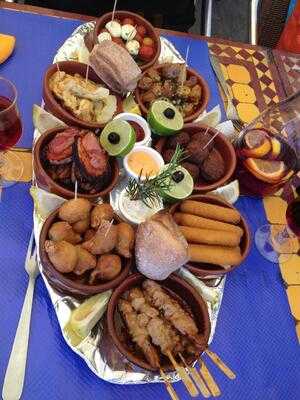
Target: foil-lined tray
x=97 y=350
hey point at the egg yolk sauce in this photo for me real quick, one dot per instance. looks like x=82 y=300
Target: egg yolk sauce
x=141 y=161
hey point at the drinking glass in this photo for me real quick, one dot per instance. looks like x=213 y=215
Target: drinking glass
x=11 y=167
x=268 y=152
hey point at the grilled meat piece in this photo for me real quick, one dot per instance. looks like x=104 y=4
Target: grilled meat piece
x=172 y=311
x=139 y=334
x=59 y=149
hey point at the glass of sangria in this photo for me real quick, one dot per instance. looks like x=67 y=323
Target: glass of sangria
x=11 y=167
x=267 y=149
x=277 y=244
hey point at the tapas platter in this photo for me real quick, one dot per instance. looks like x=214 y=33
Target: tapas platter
x=120 y=168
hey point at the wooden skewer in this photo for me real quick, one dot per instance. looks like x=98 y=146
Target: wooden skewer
x=169 y=387
x=205 y=133
x=209 y=380
x=108 y=229
x=57 y=66
x=189 y=384
x=223 y=367
x=197 y=378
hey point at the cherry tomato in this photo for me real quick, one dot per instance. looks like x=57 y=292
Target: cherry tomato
x=128 y=21
x=141 y=30
x=146 y=53
x=147 y=41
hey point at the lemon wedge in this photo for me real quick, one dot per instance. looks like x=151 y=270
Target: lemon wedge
x=7 y=45
x=42 y=120
x=130 y=106
x=85 y=317
x=44 y=202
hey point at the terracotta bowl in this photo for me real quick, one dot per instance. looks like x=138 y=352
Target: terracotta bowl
x=69 y=284
x=190 y=72
x=46 y=182
x=208 y=271
x=178 y=289
x=53 y=105
x=100 y=24
x=221 y=144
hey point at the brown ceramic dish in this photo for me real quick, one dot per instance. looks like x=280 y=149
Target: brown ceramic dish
x=46 y=182
x=190 y=72
x=100 y=24
x=208 y=271
x=53 y=105
x=69 y=284
x=178 y=289
x=221 y=144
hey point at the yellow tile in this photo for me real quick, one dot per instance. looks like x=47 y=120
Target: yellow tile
x=247 y=112
x=268 y=74
x=238 y=73
x=293 y=293
x=275 y=208
x=298 y=331
x=272 y=87
x=243 y=93
x=237 y=49
x=290 y=270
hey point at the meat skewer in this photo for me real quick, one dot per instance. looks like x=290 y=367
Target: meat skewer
x=139 y=334
x=173 y=312
x=162 y=334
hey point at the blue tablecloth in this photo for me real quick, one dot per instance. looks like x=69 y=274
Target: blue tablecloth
x=255 y=333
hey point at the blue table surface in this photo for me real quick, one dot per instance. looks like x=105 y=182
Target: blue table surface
x=255 y=333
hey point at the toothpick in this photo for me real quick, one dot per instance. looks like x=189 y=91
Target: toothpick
x=187 y=54
x=76 y=189
x=87 y=73
x=108 y=229
x=207 y=129
x=57 y=66
x=169 y=387
x=210 y=140
x=114 y=9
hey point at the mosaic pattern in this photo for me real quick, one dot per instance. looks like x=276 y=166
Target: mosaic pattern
x=289 y=68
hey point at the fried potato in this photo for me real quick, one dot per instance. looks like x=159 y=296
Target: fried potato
x=125 y=239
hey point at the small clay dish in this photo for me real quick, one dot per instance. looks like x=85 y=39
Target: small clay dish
x=120 y=15
x=53 y=105
x=208 y=271
x=47 y=183
x=177 y=288
x=70 y=284
x=189 y=72
x=221 y=144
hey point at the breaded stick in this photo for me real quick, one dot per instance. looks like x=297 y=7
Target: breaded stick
x=205 y=223
x=206 y=236
x=212 y=211
x=219 y=255
x=138 y=333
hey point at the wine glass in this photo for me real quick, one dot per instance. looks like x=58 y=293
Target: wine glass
x=267 y=159
x=11 y=167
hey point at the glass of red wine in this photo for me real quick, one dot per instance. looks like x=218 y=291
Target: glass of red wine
x=11 y=167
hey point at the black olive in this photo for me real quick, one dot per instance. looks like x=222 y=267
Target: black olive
x=113 y=138
x=178 y=176
x=169 y=113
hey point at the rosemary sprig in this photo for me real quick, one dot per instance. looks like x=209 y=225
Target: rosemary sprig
x=149 y=190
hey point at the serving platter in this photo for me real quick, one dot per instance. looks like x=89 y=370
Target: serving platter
x=98 y=350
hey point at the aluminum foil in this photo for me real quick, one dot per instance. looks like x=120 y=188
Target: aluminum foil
x=97 y=350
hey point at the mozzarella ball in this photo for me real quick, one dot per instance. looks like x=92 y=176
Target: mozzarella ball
x=133 y=47
x=128 y=32
x=104 y=36
x=114 y=28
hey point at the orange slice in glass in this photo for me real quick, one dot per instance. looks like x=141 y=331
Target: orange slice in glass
x=257 y=144
x=266 y=170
